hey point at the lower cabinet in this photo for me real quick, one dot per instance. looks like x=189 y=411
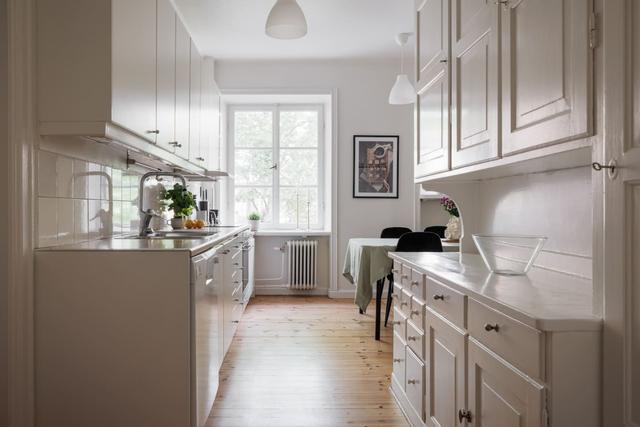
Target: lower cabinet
x=414 y=382
x=500 y=396
x=399 y=355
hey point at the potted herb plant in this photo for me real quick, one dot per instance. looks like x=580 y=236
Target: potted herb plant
x=254 y=220
x=182 y=203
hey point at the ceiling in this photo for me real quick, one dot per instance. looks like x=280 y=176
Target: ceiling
x=338 y=29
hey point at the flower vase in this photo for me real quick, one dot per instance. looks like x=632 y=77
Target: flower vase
x=453 y=231
x=177 y=223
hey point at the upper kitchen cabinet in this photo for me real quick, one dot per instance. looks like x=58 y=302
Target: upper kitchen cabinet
x=432 y=148
x=546 y=84
x=210 y=117
x=474 y=82
x=120 y=70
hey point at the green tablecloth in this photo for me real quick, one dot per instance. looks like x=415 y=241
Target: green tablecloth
x=366 y=262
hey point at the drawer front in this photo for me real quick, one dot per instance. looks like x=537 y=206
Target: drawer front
x=405 y=303
x=448 y=302
x=399 y=323
x=416 y=313
x=417 y=284
x=415 y=339
x=236 y=293
x=414 y=384
x=405 y=276
x=397 y=272
x=517 y=343
x=398 y=358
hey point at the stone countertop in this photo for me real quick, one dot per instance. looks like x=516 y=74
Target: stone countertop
x=544 y=299
x=121 y=243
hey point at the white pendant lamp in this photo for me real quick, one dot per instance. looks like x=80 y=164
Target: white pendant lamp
x=286 y=21
x=402 y=92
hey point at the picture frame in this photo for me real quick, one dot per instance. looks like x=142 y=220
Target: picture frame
x=375 y=166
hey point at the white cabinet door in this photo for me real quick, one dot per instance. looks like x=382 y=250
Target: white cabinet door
x=399 y=358
x=209 y=118
x=546 y=72
x=474 y=82
x=499 y=396
x=446 y=372
x=166 y=74
x=213 y=161
x=432 y=45
x=133 y=66
x=183 y=76
x=432 y=145
x=195 y=153
x=414 y=383
x=432 y=127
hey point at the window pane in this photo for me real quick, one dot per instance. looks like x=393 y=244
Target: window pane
x=299 y=206
x=250 y=200
x=253 y=129
x=253 y=167
x=298 y=128
x=298 y=167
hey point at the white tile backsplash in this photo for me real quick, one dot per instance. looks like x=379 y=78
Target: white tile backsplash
x=64 y=177
x=80 y=190
x=46 y=174
x=47 y=221
x=66 y=227
x=93 y=181
x=81 y=220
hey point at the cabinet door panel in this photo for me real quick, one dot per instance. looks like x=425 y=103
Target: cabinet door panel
x=133 y=66
x=474 y=86
x=399 y=361
x=414 y=384
x=183 y=76
x=195 y=152
x=499 y=396
x=432 y=144
x=446 y=372
x=166 y=72
x=546 y=72
x=432 y=22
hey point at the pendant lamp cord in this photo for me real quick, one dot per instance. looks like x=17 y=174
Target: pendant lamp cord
x=402 y=59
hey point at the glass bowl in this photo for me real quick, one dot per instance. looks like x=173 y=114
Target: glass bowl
x=508 y=254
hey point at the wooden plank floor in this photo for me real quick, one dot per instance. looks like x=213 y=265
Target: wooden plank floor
x=306 y=361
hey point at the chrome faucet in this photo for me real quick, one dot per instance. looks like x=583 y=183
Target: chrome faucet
x=145 y=224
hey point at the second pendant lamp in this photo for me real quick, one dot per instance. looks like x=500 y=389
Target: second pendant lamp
x=402 y=92
x=286 y=21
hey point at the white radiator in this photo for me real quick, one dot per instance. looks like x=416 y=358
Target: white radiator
x=303 y=264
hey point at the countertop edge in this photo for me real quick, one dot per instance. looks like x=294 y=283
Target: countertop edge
x=548 y=324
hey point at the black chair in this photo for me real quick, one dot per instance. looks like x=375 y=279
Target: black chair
x=394 y=232
x=438 y=229
x=412 y=242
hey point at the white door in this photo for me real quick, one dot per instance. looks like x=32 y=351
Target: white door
x=618 y=268
x=431 y=151
x=474 y=82
x=133 y=66
x=446 y=372
x=195 y=153
x=183 y=76
x=166 y=74
x=546 y=84
x=499 y=396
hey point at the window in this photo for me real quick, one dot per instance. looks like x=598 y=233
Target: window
x=277 y=164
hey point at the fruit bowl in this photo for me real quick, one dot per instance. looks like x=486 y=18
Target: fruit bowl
x=508 y=254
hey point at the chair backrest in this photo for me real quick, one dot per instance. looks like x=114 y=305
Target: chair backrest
x=438 y=229
x=419 y=242
x=394 y=232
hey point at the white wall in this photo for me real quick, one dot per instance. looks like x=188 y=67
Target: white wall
x=432 y=213
x=362 y=108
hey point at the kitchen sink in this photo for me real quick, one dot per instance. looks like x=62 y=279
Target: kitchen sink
x=178 y=235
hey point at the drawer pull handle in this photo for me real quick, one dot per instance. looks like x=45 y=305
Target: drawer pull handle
x=402 y=304
x=415 y=313
x=438 y=297
x=395 y=271
x=412 y=338
x=397 y=360
x=405 y=276
x=235 y=321
x=414 y=283
x=489 y=327
x=156 y=131
x=412 y=381
x=463 y=414
x=397 y=322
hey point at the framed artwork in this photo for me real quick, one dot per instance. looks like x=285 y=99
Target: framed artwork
x=375 y=166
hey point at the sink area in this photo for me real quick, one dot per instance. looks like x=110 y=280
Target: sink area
x=181 y=235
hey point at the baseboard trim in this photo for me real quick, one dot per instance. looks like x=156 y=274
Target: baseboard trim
x=342 y=294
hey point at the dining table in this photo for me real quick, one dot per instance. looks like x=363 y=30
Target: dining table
x=367 y=262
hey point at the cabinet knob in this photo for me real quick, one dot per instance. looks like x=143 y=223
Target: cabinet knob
x=200 y=159
x=415 y=313
x=405 y=276
x=395 y=271
x=503 y=3
x=443 y=61
x=402 y=304
x=397 y=322
x=412 y=381
x=235 y=321
x=397 y=360
x=464 y=414
x=438 y=297
x=414 y=283
x=175 y=144
x=156 y=131
x=412 y=338
x=489 y=327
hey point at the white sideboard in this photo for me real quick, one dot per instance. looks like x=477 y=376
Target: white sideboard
x=474 y=348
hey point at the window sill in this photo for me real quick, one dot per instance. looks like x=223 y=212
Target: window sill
x=300 y=233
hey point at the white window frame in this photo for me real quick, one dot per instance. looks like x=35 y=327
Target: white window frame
x=275 y=109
